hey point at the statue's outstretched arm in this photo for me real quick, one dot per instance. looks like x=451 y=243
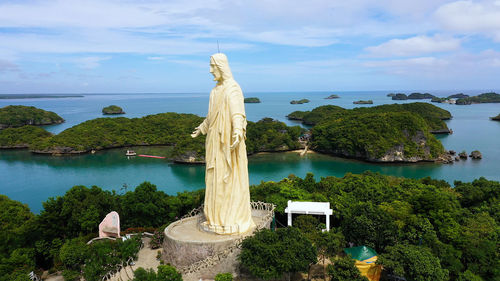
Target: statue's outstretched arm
x=201 y=129
x=238 y=123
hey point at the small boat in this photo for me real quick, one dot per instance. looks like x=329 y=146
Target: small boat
x=130 y=153
x=151 y=156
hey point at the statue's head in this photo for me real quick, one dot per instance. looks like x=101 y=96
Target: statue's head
x=219 y=67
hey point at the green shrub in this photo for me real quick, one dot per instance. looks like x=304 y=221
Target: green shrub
x=343 y=269
x=224 y=277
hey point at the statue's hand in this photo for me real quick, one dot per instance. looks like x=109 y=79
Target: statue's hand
x=237 y=137
x=196 y=132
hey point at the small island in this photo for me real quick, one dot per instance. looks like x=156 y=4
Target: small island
x=300 y=101
x=458 y=96
x=482 y=98
x=14 y=116
x=391 y=95
x=496 y=118
x=112 y=109
x=399 y=96
x=363 y=102
x=252 y=100
x=412 y=96
x=330 y=97
x=420 y=96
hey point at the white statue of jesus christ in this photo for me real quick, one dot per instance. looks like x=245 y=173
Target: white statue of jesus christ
x=227 y=196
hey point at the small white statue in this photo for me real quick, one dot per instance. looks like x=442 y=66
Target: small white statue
x=227 y=196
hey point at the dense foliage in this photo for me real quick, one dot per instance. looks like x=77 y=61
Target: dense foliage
x=418 y=227
x=22 y=137
x=400 y=136
x=100 y=133
x=160 y=129
x=20 y=115
x=165 y=273
x=413 y=262
x=393 y=132
x=112 y=109
x=57 y=236
x=482 y=98
x=252 y=100
x=318 y=114
x=104 y=256
x=343 y=269
x=268 y=255
x=432 y=114
x=272 y=135
x=458 y=226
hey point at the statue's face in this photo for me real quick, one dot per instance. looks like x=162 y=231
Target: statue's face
x=215 y=72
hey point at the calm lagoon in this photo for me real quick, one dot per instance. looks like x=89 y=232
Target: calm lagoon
x=32 y=178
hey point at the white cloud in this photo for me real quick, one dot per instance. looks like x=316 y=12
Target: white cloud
x=90 y=62
x=455 y=67
x=8 y=66
x=156 y=58
x=304 y=37
x=413 y=46
x=471 y=17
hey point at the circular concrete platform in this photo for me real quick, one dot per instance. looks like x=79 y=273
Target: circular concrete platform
x=199 y=254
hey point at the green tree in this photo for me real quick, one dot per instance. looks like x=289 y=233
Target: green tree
x=343 y=269
x=15 y=220
x=73 y=253
x=415 y=263
x=165 y=273
x=268 y=255
x=369 y=225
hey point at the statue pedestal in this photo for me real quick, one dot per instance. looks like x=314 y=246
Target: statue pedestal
x=199 y=254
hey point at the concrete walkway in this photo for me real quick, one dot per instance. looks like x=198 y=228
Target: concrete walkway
x=146 y=259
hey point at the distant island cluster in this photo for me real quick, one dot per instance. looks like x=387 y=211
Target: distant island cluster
x=459 y=99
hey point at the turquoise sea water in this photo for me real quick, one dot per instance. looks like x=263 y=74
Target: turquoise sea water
x=33 y=178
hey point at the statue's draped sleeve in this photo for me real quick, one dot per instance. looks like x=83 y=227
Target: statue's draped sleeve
x=237 y=110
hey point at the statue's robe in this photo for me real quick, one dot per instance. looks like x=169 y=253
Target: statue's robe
x=227 y=197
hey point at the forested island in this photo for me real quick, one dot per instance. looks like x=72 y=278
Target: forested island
x=385 y=133
x=363 y=102
x=332 y=96
x=412 y=96
x=13 y=116
x=252 y=100
x=482 y=98
x=161 y=129
x=300 y=101
x=496 y=118
x=422 y=229
x=112 y=110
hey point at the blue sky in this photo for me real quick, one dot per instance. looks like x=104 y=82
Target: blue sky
x=101 y=46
